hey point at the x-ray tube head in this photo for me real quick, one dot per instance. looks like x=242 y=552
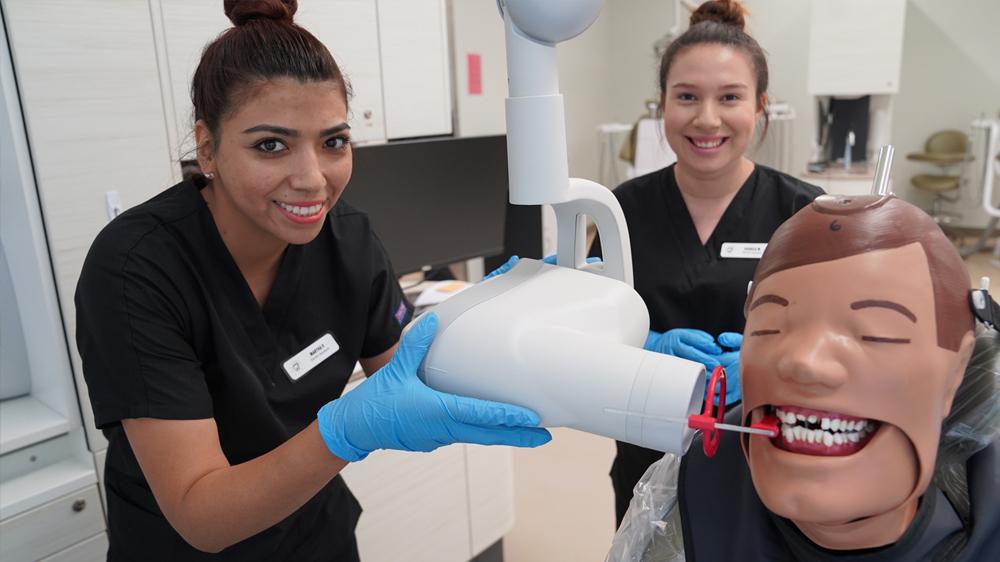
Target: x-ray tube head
x=566 y=344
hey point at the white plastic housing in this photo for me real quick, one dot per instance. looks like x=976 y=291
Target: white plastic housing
x=567 y=345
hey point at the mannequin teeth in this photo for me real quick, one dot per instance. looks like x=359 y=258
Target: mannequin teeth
x=827 y=432
x=832 y=424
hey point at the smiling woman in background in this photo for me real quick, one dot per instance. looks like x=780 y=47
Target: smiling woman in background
x=219 y=322
x=689 y=221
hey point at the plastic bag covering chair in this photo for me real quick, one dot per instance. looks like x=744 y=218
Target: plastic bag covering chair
x=943 y=149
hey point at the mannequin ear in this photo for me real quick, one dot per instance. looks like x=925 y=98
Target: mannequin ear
x=206 y=146
x=958 y=374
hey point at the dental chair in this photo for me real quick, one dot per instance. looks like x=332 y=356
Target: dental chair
x=943 y=149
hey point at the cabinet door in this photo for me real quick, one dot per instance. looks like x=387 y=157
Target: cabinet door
x=188 y=26
x=416 y=77
x=346 y=27
x=350 y=30
x=90 y=94
x=415 y=505
x=855 y=46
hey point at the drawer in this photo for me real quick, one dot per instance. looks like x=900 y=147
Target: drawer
x=94 y=549
x=52 y=527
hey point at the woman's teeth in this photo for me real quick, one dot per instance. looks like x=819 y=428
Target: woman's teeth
x=828 y=431
x=300 y=211
x=708 y=144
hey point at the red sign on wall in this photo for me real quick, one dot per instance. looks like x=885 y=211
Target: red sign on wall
x=475 y=66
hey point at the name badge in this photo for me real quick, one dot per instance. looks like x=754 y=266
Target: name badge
x=304 y=361
x=744 y=250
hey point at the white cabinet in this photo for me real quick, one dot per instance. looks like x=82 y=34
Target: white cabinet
x=448 y=505
x=393 y=53
x=349 y=28
x=90 y=94
x=416 y=79
x=73 y=124
x=186 y=27
x=855 y=46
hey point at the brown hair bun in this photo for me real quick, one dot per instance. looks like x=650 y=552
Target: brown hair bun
x=729 y=12
x=242 y=11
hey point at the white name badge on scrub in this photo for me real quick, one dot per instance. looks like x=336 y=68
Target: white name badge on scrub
x=745 y=250
x=314 y=354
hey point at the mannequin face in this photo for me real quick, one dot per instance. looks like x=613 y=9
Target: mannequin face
x=852 y=341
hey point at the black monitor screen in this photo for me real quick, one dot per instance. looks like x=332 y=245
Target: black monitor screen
x=849 y=115
x=433 y=202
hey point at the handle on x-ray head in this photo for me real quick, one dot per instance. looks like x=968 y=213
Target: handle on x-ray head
x=587 y=198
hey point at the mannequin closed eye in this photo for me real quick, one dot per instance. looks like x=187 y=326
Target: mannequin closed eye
x=886 y=305
x=767 y=299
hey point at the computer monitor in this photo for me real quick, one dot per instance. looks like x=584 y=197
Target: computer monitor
x=433 y=202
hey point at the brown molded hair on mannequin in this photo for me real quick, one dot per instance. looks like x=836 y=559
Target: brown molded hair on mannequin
x=835 y=227
x=264 y=43
x=720 y=22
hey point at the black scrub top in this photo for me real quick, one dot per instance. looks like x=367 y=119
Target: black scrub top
x=723 y=518
x=168 y=328
x=686 y=284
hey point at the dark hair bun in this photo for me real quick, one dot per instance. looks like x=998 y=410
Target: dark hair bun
x=242 y=11
x=729 y=12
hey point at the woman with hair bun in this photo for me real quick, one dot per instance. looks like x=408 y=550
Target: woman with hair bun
x=219 y=322
x=698 y=226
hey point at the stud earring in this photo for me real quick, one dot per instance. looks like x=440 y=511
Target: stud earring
x=210 y=176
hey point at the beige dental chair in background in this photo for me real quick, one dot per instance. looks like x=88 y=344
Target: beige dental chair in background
x=944 y=149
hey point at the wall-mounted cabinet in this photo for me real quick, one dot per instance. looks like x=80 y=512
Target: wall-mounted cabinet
x=393 y=52
x=416 y=80
x=855 y=47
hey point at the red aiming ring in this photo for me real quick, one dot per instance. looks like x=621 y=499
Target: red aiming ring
x=706 y=420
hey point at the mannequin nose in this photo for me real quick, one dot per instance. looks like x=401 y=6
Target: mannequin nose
x=813 y=362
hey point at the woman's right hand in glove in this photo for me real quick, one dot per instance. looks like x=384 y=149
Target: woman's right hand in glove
x=394 y=409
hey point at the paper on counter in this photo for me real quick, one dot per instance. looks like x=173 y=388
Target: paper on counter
x=439 y=292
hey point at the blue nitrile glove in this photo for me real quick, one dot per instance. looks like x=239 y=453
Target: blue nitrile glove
x=514 y=259
x=693 y=345
x=393 y=409
x=510 y=263
x=730 y=361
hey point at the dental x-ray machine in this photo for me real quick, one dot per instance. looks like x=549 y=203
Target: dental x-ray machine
x=565 y=341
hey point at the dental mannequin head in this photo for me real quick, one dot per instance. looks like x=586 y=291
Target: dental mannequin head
x=858 y=334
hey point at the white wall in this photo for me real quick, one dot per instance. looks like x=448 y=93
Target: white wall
x=584 y=68
x=477 y=29
x=950 y=75
x=635 y=25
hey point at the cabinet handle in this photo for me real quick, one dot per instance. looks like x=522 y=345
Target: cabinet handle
x=79 y=505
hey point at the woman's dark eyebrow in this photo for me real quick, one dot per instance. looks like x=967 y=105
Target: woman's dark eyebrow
x=885 y=304
x=285 y=131
x=765 y=299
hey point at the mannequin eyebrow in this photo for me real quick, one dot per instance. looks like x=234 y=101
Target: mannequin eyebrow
x=765 y=299
x=885 y=304
x=285 y=131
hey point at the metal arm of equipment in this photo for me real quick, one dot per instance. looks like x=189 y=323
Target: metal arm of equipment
x=565 y=341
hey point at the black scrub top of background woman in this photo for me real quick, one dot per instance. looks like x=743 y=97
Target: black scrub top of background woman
x=687 y=284
x=168 y=328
